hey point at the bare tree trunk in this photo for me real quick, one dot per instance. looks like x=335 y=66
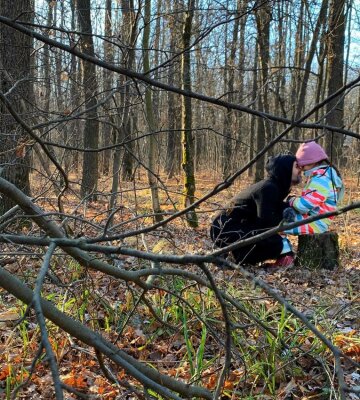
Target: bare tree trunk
x=107 y=76
x=172 y=162
x=74 y=77
x=296 y=73
x=47 y=79
x=253 y=135
x=301 y=89
x=282 y=17
x=91 y=130
x=15 y=51
x=152 y=147
x=335 y=56
x=229 y=77
x=263 y=17
x=239 y=118
x=128 y=31
x=321 y=78
x=128 y=36
x=47 y=64
x=186 y=120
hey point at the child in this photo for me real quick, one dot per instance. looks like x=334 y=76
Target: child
x=322 y=192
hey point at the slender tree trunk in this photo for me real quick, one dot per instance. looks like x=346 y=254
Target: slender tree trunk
x=47 y=78
x=296 y=73
x=253 y=135
x=321 y=78
x=172 y=162
x=280 y=58
x=335 y=55
x=152 y=147
x=301 y=87
x=129 y=34
x=239 y=119
x=186 y=120
x=107 y=76
x=229 y=73
x=47 y=64
x=91 y=130
x=74 y=77
x=263 y=17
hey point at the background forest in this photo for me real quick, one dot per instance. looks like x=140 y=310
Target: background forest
x=124 y=125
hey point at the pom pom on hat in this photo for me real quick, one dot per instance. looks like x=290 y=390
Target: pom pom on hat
x=310 y=153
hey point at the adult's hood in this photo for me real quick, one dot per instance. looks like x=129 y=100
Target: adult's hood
x=279 y=169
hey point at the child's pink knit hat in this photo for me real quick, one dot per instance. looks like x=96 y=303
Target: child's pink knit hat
x=310 y=153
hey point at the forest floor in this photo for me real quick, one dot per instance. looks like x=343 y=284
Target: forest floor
x=330 y=299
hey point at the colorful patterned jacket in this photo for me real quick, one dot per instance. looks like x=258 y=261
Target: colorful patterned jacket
x=322 y=192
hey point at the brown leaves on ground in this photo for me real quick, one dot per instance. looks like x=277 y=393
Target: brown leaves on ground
x=330 y=299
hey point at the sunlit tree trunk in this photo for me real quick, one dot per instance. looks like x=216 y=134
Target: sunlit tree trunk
x=186 y=119
x=301 y=91
x=91 y=130
x=240 y=123
x=280 y=57
x=172 y=162
x=15 y=63
x=123 y=133
x=263 y=17
x=296 y=73
x=149 y=112
x=321 y=77
x=229 y=78
x=335 y=57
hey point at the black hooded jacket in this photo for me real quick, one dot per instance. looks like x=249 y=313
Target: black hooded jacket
x=256 y=209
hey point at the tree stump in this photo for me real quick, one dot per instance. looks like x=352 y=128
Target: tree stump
x=318 y=251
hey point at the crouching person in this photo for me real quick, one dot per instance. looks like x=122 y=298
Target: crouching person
x=257 y=209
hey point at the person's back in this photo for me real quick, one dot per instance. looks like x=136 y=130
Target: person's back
x=257 y=208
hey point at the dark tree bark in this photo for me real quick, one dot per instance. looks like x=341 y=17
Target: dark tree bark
x=253 y=135
x=186 y=120
x=229 y=81
x=263 y=18
x=91 y=130
x=15 y=64
x=107 y=76
x=128 y=36
x=125 y=118
x=239 y=120
x=173 y=148
x=296 y=73
x=74 y=77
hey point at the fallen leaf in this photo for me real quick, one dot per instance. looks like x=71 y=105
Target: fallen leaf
x=9 y=315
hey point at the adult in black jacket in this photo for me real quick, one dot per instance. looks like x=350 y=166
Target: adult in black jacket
x=257 y=209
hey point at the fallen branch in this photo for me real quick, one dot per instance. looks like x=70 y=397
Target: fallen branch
x=149 y=377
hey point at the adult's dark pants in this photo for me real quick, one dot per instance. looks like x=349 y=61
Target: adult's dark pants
x=224 y=231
